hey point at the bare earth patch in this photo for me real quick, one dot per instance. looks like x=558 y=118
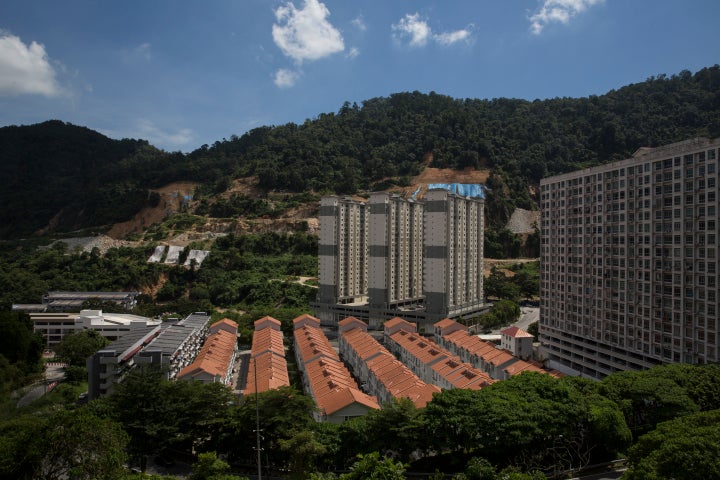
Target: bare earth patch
x=171 y=199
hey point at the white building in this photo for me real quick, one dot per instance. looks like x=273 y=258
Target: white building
x=54 y=326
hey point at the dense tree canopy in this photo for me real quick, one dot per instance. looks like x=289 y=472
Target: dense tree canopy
x=684 y=448
x=75 y=348
x=517 y=428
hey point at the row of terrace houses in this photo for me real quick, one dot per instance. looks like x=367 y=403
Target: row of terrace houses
x=268 y=367
x=214 y=363
x=430 y=361
x=498 y=363
x=324 y=375
x=381 y=373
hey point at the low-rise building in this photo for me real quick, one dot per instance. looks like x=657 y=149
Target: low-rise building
x=429 y=360
x=214 y=363
x=54 y=326
x=380 y=373
x=517 y=341
x=498 y=363
x=177 y=345
x=60 y=301
x=268 y=366
x=325 y=377
x=109 y=365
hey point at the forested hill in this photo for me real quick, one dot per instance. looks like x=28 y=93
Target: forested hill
x=55 y=167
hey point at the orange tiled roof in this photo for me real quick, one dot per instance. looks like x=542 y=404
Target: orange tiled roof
x=515 y=332
x=501 y=357
x=447 y=366
x=225 y=323
x=522 y=366
x=270 y=371
x=462 y=375
x=268 y=367
x=490 y=354
x=312 y=343
x=337 y=399
x=445 y=322
x=345 y=322
x=305 y=319
x=214 y=357
x=326 y=378
x=398 y=323
x=397 y=379
x=267 y=339
x=266 y=320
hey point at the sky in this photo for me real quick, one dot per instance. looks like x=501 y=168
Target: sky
x=183 y=73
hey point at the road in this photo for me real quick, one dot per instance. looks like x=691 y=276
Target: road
x=528 y=316
x=53 y=374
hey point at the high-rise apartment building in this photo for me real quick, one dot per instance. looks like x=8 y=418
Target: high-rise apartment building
x=454 y=234
x=343 y=251
x=629 y=261
x=396 y=256
x=396 y=251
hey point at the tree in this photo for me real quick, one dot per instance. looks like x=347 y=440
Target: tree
x=19 y=347
x=500 y=286
x=685 y=448
x=77 y=444
x=372 y=467
x=479 y=468
x=75 y=348
x=396 y=429
x=302 y=450
x=646 y=398
x=161 y=416
x=284 y=413
x=209 y=467
x=22 y=446
x=450 y=420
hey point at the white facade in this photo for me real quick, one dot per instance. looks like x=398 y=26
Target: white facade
x=54 y=326
x=629 y=267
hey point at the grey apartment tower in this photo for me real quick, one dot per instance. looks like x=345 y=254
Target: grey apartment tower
x=393 y=256
x=629 y=266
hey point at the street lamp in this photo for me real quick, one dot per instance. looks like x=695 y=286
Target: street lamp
x=257 y=421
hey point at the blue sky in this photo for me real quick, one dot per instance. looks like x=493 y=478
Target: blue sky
x=183 y=73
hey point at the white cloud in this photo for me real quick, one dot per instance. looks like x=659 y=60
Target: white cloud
x=418 y=33
x=144 y=51
x=359 y=23
x=305 y=34
x=286 y=78
x=413 y=27
x=558 y=11
x=450 y=38
x=25 y=69
x=353 y=52
x=147 y=129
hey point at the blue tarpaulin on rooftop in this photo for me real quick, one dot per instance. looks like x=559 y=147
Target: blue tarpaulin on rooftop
x=473 y=190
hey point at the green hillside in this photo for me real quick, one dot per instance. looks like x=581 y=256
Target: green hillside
x=77 y=178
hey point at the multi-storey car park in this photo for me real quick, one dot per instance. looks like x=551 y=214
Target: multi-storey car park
x=629 y=267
